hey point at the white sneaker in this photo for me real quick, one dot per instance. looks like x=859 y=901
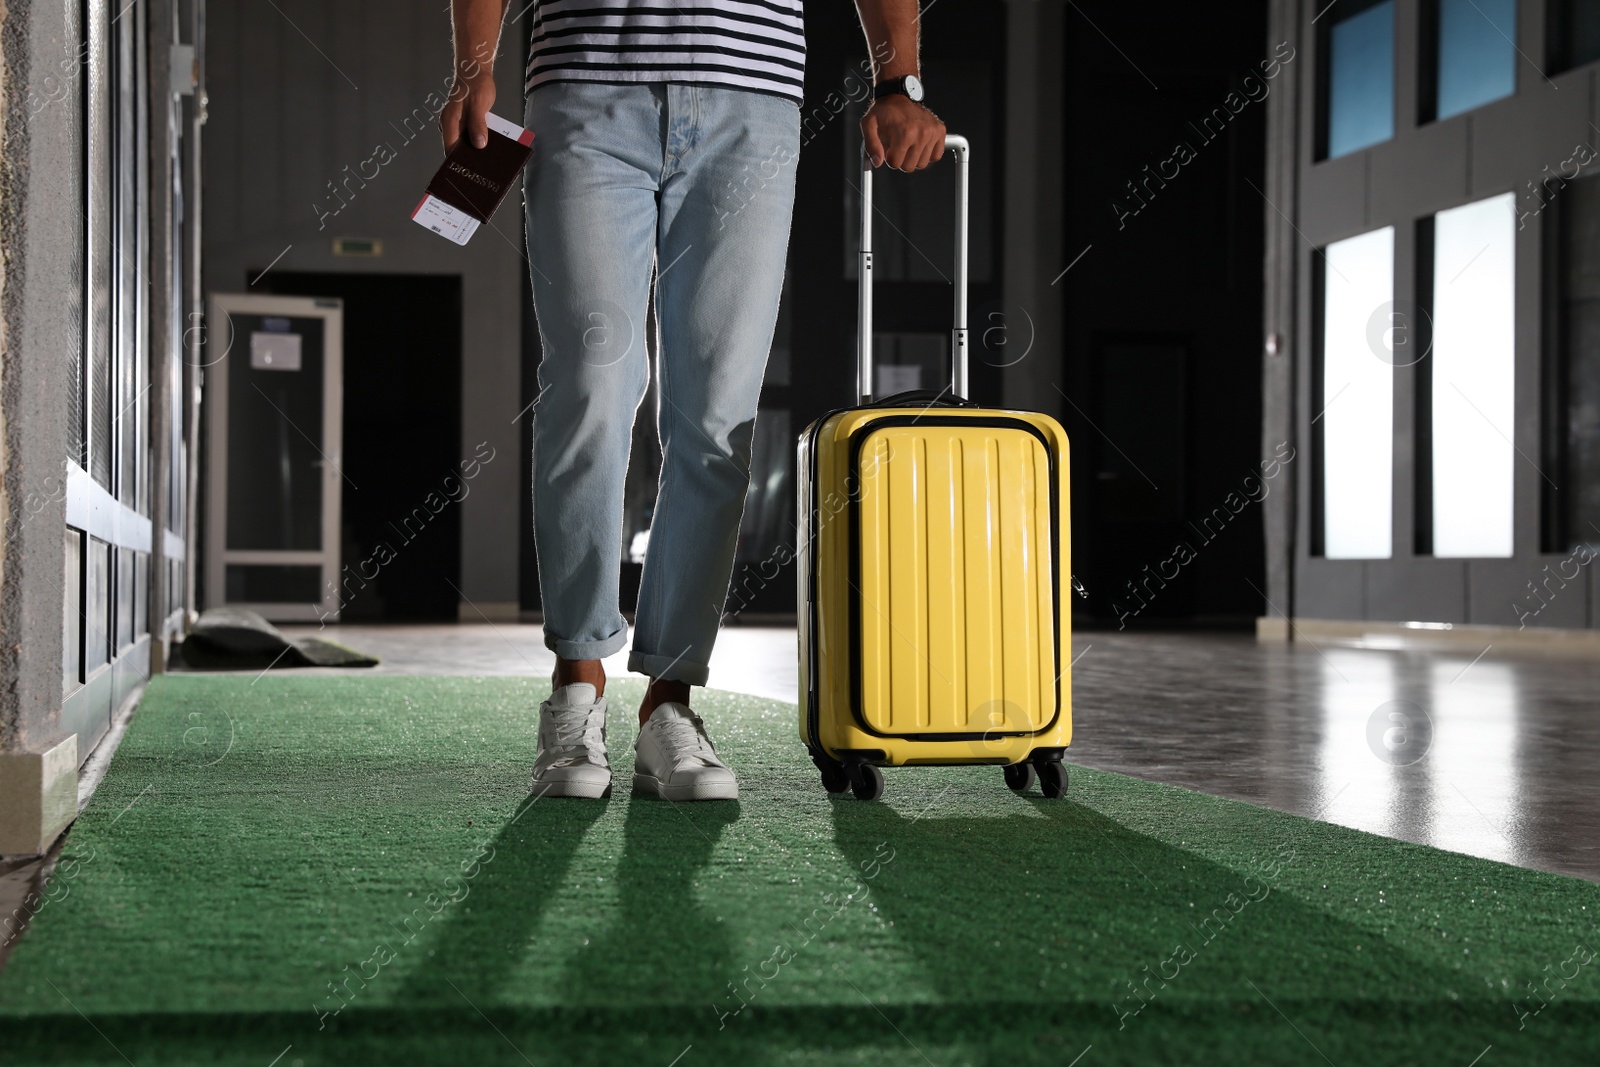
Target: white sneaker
x=675 y=760
x=571 y=760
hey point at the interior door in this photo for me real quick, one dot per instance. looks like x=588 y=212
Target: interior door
x=273 y=402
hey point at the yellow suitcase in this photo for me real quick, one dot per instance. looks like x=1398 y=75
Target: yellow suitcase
x=934 y=564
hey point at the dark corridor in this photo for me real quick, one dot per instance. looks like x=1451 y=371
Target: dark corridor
x=402 y=440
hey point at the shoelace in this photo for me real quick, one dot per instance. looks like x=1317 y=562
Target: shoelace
x=577 y=732
x=686 y=737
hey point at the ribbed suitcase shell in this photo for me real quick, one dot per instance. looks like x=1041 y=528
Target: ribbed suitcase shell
x=934 y=555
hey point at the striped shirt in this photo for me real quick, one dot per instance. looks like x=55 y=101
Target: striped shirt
x=742 y=44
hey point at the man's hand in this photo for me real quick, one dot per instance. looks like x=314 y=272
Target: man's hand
x=475 y=26
x=465 y=111
x=902 y=133
x=896 y=129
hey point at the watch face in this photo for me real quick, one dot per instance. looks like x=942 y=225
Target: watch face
x=914 y=87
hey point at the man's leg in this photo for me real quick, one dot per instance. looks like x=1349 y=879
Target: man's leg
x=724 y=231
x=591 y=214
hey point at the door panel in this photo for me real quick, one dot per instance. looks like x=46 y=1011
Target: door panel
x=275 y=430
x=275 y=405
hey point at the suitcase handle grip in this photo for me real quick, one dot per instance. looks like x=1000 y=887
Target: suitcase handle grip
x=958 y=147
x=923 y=398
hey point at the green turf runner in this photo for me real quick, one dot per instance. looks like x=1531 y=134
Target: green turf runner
x=349 y=870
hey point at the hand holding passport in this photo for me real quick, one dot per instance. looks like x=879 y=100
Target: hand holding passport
x=471 y=182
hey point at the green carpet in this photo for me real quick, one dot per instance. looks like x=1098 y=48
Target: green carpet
x=257 y=840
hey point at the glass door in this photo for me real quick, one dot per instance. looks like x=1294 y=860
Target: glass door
x=273 y=401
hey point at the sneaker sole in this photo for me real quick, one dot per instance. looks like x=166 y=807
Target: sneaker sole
x=643 y=783
x=584 y=790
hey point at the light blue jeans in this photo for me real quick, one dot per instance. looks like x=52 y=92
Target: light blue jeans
x=692 y=186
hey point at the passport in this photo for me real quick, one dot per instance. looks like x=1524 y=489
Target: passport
x=471 y=182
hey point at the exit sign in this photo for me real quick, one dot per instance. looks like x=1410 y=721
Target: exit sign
x=357 y=246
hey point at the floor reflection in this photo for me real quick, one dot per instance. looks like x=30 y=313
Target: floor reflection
x=1491 y=757
x=1425 y=752
x=1364 y=784
x=1476 y=726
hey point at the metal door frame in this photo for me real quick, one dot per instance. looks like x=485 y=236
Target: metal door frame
x=221 y=306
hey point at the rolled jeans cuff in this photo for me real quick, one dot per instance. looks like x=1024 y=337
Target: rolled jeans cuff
x=668 y=668
x=587 y=649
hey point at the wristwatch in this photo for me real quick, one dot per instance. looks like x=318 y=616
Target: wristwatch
x=908 y=86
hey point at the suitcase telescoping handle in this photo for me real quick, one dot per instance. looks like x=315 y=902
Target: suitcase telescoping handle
x=956 y=146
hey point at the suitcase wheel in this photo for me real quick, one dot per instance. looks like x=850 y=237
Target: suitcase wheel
x=1053 y=778
x=835 y=779
x=1019 y=776
x=866 y=781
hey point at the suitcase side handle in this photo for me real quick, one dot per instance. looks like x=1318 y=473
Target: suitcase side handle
x=957 y=146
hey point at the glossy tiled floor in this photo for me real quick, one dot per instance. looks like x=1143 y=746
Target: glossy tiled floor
x=748 y=659
x=1494 y=757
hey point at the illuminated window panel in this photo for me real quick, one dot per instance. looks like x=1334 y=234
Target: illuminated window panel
x=1474 y=387
x=1358 y=396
